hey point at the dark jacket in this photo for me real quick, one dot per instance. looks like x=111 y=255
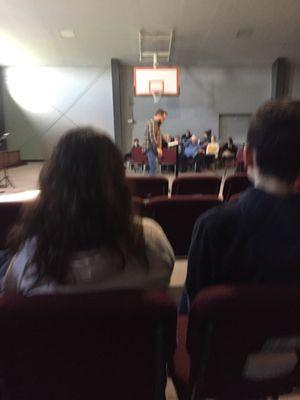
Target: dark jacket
x=254 y=240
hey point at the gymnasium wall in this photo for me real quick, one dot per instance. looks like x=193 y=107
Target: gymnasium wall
x=83 y=96
x=206 y=92
x=40 y=105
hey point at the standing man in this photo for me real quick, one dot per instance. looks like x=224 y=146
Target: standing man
x=153 y=140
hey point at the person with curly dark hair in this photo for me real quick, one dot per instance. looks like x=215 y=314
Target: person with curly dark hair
x=81 y=234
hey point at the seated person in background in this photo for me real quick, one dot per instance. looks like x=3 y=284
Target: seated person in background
x=212 y=152
x=213 y=147
x=229 y=150
x=192 y=151
x=81 y=233
x=166 y=139
x=177 y=139
x=135 y=144
x=186 y=136
x=257 y=238
x=206 y=138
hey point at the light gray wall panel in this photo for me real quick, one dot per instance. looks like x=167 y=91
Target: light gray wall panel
x=83 y=96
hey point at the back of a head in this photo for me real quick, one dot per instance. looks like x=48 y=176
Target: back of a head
x=160 y=112
x=274 y=135
x=85 y=171
x=84 y=203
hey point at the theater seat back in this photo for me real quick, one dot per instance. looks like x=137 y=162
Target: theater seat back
x=111 y=345
x=244 y=341
x=147 y=187
x=196 y=185
x=177 y=216
x=9 y=215
x=235 y=184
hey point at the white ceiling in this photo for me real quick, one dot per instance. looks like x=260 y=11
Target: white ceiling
x=204 y=30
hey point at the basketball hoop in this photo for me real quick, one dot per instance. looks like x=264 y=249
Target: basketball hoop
x=156 y=88
x=156 y=95
x=156 y=82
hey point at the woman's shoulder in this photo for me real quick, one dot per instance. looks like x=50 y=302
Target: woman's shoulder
x=155 y=237
x=152 y=229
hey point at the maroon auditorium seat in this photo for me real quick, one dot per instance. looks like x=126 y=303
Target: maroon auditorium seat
x=177 y=216
x=297 y=185
x=234 y=184
x=234 y=198
x=111 y=345
x=168 y=157
x=148 y=186
x=138 y=158
x=9 y=214
x=196 y=185
x=229 y=323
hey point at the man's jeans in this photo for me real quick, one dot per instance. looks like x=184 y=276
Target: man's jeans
x=153 y=163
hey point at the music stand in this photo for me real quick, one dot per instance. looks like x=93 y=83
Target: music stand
x=5 y=180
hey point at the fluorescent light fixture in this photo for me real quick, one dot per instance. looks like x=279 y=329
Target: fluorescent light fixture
x=67 y=33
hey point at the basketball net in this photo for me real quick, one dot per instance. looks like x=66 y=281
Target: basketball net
x=156 y=96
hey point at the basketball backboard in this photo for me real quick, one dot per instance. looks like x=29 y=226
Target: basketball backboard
x=162 y=81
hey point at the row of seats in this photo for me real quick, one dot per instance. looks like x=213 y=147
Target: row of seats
x=139 y=159
x=147 y=187
x=176 y=215
x=191 y=196
x=115 y=345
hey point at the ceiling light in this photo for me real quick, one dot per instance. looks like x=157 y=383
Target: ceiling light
x=67 y=33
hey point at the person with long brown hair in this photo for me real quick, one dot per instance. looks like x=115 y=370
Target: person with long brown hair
x=81 y=234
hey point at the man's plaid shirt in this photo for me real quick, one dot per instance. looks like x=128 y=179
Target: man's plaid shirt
x=152 y=138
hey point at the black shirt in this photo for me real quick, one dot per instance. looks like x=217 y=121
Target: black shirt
x=254 y=240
